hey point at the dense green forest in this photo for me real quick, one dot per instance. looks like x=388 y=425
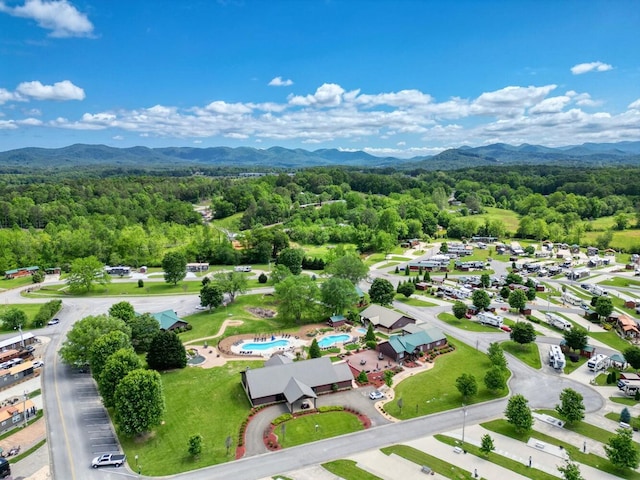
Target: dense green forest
x=135 y=218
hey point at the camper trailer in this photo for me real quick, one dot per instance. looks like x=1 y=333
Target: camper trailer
x=488 y=318
x=571 y=299
x=558 y=322
x=556 y=357
x=599 y=362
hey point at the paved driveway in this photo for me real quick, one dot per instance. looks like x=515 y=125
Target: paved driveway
x=357 y=399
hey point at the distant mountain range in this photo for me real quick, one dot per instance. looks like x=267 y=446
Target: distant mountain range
x=246 y=158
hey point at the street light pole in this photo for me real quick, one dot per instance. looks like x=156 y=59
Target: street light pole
x=19 y=327
x=24 y=408
x=464 y=421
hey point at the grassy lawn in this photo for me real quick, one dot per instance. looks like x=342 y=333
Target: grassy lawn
x=349 y=470
x=435 y=391
x=310 y=428
x=207 y=324
x=30 y=310
x=573 y=366
x=575 y=452
x=527 y=353
x=615 y=417
x=16 y=282
x=420 y=458
x=190 y=394
x=611 y=339
x=321 y=251
x=465 y=324
x=505 y=462
x=627 y=401
x=414 y=302
x=229 y=223
x=510 y=218
x=620 y=282
x=128 y=288
x=622 y=240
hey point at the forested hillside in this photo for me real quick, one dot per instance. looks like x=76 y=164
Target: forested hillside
x=135 y=219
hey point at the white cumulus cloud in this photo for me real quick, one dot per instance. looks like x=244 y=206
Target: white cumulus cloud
x=327 y=95
x=581 y=68
x=59 y=16
x=279 y=82
x=634 y=105
x=64 y=90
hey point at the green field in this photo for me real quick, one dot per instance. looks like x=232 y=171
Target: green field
x=311 y=428
x=435 y=391
x=465 y=323
x=621 y=282
x=527 y=353
x=626 y=240
x=16 y=282
x=30 y=310
x=414 y=302
x=190 y=394
x=508 y=217
x=349 y=470
x=421 y=458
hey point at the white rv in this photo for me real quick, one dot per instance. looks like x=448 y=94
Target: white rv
x=570 y=298
x=558 y=322
x=488 y=318
x=599 y=362
x=556 y=357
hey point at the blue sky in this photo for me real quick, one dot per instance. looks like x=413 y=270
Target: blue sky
x=400 y=78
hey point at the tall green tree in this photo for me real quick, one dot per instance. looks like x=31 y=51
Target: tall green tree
x=85 y=272
x=570 y=471
x=604 y=306
x=381 y=291
x=407 y=289
x=571 y=406
x=494 y=379
x=496 y=355
x=486 y=445
x=348 y=266
x=621 y=450
x=231 y=283
x=523 y=333
x=467 y=385
x=576 y=338
x=339 y=294
x=517 y=299
x=292 y=259
x=166 y=352
x=314 y=349
x=480 y=299
x=485 y=280
x=115 y=369
x=297 y=298
x=13 y=318
x=174 y=265
x=143 y=329
x=519 y=414
x=459 y=309
x=632 y=356
x=370 y=336
x=211 y=296
x=75 y=349
x=122 y=310
x=105 y=346
x=139 y=402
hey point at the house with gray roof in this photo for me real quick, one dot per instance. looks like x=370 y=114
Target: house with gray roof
x=413 y=340
x=384 y=319
x=283 y=380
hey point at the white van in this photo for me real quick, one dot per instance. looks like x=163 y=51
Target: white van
x=242 y=268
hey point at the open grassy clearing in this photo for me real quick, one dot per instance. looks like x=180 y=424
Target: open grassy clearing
x=311 y=428
x=190 y=394
x=435 y=391
x=573 y=366
x=30 y=310
x=231 y=223
x=575 y=452
x=615 y=417
x=627 y=401
x=414 y=302
x=349 y=470
x=627 y=240
x=527 y=353
x=508 y=463
x=611 y=339
x=620 y=282
x=510 y=218
x=16 y=282
x=421 y=458
x=465 y=324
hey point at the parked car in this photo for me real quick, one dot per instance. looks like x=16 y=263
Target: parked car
x=108 y=459
x=376 y=395
x=53 y=321
x=201 y=307
x=38 y=364
x=506 y=328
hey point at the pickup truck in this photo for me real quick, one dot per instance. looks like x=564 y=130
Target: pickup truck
x=108 y=459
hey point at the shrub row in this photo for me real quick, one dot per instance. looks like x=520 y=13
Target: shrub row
x=282 y=418
x=46 y=313
x=331 y=408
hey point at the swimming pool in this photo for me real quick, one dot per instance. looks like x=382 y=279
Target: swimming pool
x=333 y=339
x=361 y=330
x=265 y=345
